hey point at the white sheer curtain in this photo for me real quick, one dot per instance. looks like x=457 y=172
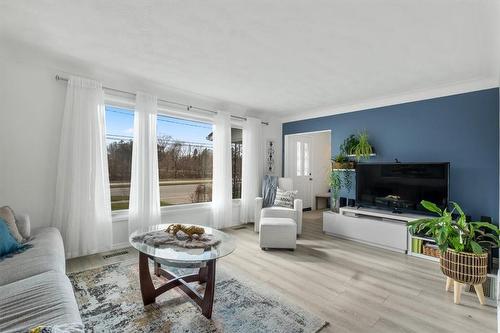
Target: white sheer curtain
x=144 y=207
x=251 y=169
x=222 y=188
x=82 y=211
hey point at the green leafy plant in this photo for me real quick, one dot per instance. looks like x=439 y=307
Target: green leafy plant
x=335 y=183
x=363 y=149
x=347 y=181
x=347 y=147
x=456 y=234
x=340 y=158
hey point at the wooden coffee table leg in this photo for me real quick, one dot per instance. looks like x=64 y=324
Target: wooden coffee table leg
x=208 y=298
x=157 y=269
x=202 y=274
x=147 y=287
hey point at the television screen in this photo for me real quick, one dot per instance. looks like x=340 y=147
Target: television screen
x=400 y=187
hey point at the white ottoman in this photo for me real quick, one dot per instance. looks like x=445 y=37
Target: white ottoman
x=277 y=233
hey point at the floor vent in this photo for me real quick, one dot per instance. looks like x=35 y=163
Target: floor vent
x=114 y=254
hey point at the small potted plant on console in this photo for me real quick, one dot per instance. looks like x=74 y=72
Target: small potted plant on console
x=463 y=246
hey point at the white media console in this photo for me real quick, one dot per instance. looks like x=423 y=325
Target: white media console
x=370 y=226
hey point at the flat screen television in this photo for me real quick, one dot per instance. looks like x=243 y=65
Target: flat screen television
x=400 y=187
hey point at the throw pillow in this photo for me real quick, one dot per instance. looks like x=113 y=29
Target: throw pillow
x=8 y=244
x=284 y=198
x=7 y=214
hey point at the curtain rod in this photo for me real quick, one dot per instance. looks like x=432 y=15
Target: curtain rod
x=188 y=107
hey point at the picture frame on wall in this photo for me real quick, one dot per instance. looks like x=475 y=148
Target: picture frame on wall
x=270 y=152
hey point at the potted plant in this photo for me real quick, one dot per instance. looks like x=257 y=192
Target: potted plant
x=363 y=149
x=341 y=161
x=335 y=184
x=462 y=244
x=347 y=147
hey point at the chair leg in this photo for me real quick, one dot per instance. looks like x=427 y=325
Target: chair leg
x=457 y=292
x=479 y=292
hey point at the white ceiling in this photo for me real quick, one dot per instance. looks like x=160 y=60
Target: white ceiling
x=283 y=57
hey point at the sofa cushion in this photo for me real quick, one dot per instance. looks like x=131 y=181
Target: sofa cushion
x=46 y=254
x=44 y=299
x=7 y=214
x=8 y=244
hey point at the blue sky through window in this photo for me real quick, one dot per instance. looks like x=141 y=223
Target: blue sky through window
x=120 y=124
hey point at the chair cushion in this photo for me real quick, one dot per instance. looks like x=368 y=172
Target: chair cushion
x=282 y=212
x=284 y=198
x=44 y=299
x=46 y=254
x=277 y=222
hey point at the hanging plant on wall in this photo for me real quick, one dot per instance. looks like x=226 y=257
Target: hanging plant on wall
x=363 y=149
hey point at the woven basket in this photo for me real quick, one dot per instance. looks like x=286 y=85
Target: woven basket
x=344 y=165
x=464 y=267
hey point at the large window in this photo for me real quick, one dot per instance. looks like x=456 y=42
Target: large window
x=184 y=158
x=184 y=161
x=236 y=155
x=119 y=135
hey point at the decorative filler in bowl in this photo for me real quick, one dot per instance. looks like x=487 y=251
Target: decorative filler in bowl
x=185 y=236
x=193 y=231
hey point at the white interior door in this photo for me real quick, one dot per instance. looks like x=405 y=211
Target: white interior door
x=299 y=166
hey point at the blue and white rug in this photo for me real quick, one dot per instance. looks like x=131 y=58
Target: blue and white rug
x=110 y=300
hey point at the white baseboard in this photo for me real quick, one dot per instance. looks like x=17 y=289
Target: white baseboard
x=119 y=246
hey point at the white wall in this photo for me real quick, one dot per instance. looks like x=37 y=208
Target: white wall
x=321 y=154
x=31 y=107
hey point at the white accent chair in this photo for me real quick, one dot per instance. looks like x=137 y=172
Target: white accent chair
x=294 y=213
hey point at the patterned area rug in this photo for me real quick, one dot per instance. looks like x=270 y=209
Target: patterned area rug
x=110 y=300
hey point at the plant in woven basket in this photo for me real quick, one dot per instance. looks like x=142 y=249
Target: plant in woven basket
x=456 y=234
x=342 y=162
x=462 y=244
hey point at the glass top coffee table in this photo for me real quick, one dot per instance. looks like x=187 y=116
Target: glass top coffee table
x=173 y=255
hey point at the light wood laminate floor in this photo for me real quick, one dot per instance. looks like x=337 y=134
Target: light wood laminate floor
x=356 y=288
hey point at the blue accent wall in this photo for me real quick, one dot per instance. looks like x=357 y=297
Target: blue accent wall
x=461 y=129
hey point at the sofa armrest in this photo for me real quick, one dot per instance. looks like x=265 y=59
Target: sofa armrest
x=297 y=206
x=23 y=225
x=257 y=209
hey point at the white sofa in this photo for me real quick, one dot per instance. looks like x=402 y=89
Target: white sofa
x=294 y=213
x=34 y=288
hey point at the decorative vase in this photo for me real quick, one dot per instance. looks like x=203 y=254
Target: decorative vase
x=335 y=204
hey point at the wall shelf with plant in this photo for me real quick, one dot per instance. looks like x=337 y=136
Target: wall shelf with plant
x=353 y=149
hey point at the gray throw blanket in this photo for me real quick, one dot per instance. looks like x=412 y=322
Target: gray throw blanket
x=269 y=186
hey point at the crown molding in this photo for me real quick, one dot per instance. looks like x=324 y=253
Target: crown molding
x=411 y=96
